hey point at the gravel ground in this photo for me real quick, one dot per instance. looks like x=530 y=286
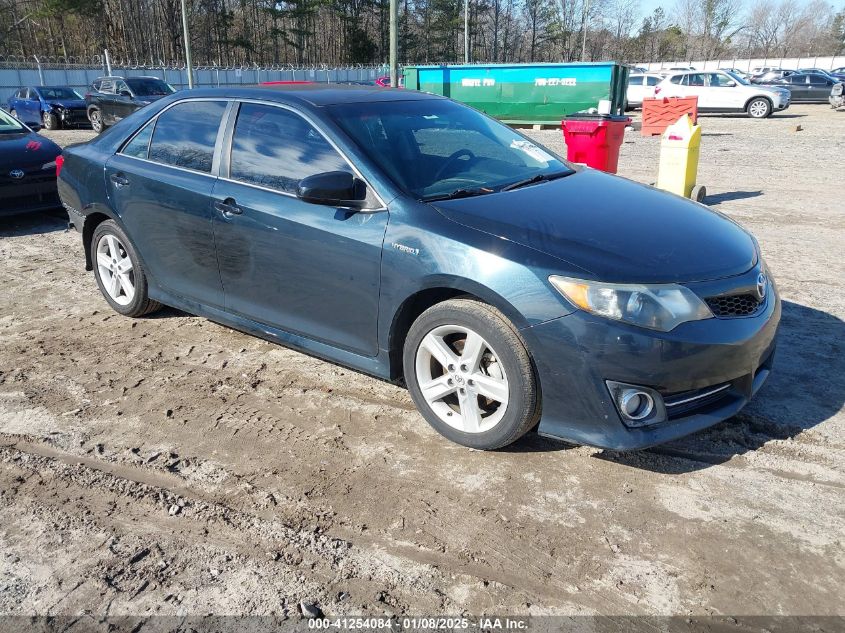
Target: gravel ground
x=172 y=466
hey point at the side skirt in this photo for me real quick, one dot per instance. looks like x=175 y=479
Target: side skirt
x=376 y=366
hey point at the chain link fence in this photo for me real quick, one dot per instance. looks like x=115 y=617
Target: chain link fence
x=78 y=73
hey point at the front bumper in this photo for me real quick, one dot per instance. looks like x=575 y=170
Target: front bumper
x=575 y=355
x=36 y=191
x=72 y=116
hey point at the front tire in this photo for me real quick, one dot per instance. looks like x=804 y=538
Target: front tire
x=50 y=121
x=118 y=271
x=759 y=108
x=95 y=115
x=470 y=374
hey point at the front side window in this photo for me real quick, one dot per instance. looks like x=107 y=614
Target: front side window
x=185 y=135
x=149 y=87
x=718 y=80
x=696 y=80
x=434 y=147
x=276 y=148
x=121 y=87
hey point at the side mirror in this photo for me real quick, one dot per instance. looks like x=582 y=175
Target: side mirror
x=35 y=127
x=731 y=84
x=125 y=93
x=333 y=189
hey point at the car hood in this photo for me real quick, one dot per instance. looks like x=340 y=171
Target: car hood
x=67 y=103
x=25 y=149
x=612 y=228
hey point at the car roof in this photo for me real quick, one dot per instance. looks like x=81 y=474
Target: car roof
x=314 y=94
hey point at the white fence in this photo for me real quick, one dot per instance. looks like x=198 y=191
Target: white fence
x=789 y=63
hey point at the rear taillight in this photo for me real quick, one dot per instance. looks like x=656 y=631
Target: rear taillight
x=60 y=160
x=657 y=90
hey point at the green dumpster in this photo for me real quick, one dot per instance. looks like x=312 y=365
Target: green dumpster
x=526 y=93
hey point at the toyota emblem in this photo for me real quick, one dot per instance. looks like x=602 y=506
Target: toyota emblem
x=762 y=285
x=17 y=174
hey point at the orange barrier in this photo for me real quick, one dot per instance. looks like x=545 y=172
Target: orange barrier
x=658 y=114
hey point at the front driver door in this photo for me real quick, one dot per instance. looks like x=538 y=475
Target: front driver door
x=160 y=185
x=310 y=269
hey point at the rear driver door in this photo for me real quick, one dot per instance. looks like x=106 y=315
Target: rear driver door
x=160 y=184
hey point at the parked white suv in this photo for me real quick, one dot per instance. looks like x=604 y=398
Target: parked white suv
x=641 y=86
x=720 y=91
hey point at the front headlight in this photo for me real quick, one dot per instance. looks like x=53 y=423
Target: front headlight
x=655 y=306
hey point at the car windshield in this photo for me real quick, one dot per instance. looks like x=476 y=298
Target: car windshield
x=8 y=124
x=149 y=87
x=435 y=148
x=59 y=93
x=737 y=78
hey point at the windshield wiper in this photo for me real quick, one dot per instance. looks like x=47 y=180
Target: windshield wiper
x=459 y=193
x=535 y=179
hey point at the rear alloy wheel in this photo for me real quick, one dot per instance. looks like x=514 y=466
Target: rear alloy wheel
x=96 y=118
x=759 y=108
x=119 y=273
x=470 y=375
x=51 y=121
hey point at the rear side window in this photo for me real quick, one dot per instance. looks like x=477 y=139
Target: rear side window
x=652 y=81
x=677 y=79
x=185 y=135
x=276 y=148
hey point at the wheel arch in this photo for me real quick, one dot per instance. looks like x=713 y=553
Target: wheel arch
x=437 y=292
x=95 y=215
x=759 y=96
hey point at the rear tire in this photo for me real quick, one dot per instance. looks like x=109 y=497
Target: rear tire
x=119 y=273
x=470 y=374
x=759 y=108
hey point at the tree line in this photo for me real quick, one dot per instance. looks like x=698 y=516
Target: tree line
x=304 y=32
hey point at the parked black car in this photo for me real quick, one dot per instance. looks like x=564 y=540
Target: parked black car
x=111 y=99
x=807 y=87
x=771 y=76
x=27 y=168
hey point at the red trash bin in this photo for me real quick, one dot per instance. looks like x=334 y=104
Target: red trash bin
x=595 y=141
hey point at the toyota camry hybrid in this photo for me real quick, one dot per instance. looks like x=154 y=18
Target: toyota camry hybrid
x=417 y=240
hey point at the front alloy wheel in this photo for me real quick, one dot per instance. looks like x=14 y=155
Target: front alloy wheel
x=470 y=374
x=462 y=379
x=96 y=118
x=50 y=121
x=759 y=108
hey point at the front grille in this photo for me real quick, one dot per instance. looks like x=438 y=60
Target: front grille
x=734 y=305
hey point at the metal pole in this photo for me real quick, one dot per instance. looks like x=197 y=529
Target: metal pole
x=584 y=34
x=187 y=45
x=466 y=31
x=40 y=74
x=108 y=61
x=394 y=43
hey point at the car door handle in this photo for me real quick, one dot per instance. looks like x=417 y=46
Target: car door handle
x=228 y=207
x=119 y=180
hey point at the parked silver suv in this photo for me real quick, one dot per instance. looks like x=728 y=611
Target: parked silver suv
x=721 y=91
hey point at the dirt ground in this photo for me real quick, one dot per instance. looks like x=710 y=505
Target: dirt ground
x=172 y=466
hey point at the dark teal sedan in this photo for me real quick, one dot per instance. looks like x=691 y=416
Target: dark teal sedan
x=417 y=240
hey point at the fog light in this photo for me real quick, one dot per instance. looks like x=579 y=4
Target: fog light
x=637 y=406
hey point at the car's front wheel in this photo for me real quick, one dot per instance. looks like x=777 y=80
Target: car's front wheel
x=470 y=374
x=95 y=115
x=759 y=108
x=50 y=120
x=119 y=273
